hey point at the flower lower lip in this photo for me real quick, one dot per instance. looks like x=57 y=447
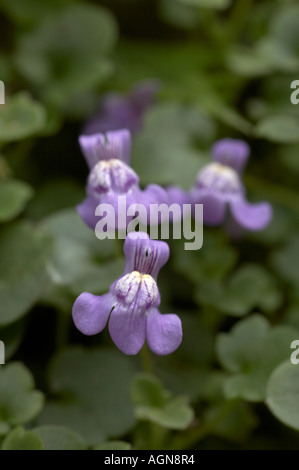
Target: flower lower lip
x=135 y=286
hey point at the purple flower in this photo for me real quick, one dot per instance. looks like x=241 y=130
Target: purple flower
x=131 y=305
x=123 y=112
x=177 y=195
x=219 y=187
x=108 y=157
x=107 y=146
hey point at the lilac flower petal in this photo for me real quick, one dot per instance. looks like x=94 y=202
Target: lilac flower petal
x=143 y=94
x=177 y=195
x=117 y=111
x=116 y=217
x=150 y=198
x=163 y=332
x=91 y=312
x=127 y=330
x=144 y=255
x=86 y=210
x=114 y=144
x=154 y=194
x=231 y=152
x=251 y=216
x=214 y=206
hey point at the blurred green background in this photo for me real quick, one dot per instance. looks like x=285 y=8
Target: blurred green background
x=225 y=69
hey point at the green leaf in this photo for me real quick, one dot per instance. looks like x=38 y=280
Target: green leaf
x=54 y=196
x=252 y=286
x=92 y=393
x=179 y=14
x=155 y=404
x=279 y=128
x=284 y=28
x=14 y=196
x=215 y=4
x=21 y=117
x=147 y=390
x=113 y=445
x=283 y=223
x=215 y=259
x=19 y=402
x=285 y=261
x=250 y=352
x=80 y=262
x=29 y=12
x=248 y=63
x=23 y=278
x=164 y=150
x=19 y=439
x=53 y=55
x=59 y=438
x=238 y=420
x=181 y=379
x=282 y=394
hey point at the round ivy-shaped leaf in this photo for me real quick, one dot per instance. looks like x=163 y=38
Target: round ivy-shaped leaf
x=66 y=53
x=155 y=404
x=19 y=439
x=59 y=438
x=164 y=150
x=250 y=287
x=21 y=117
x=92 y=393
x=251 y=351
x=19 y=402
x=279 y=128
x=213 y=262
x=113 y=445
x=283 y=392
x=285 y=261
x=23 y=278
x=79 y=262
x=14 y=196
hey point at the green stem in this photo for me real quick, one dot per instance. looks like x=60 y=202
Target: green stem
x=146 y=359
x=194 y=436
x=118 y=247
x=237 y=20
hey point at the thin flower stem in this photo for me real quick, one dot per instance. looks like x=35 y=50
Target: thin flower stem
x=238 y=17
x=118 y=247
x=147 y=364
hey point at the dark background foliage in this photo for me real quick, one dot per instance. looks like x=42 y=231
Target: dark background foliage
x=225 y=69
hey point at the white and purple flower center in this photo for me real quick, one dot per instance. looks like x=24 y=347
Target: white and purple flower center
x=137 y=289
x=111 y=175
x=220 y=178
